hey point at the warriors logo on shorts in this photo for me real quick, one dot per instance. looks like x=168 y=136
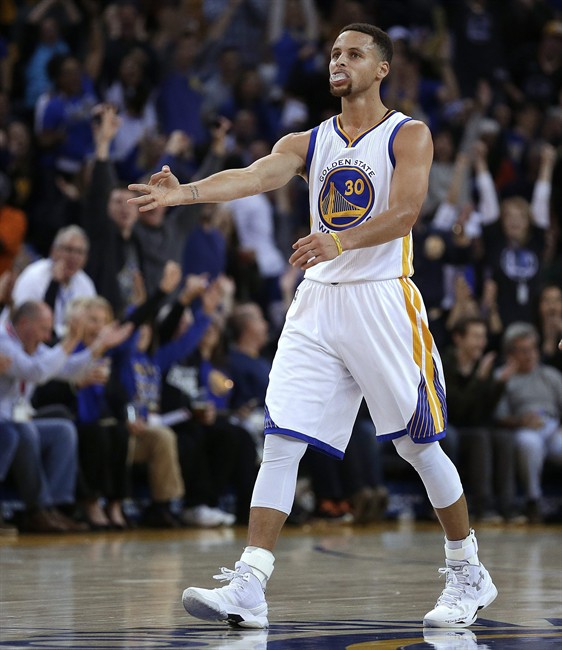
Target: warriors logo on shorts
x=346 y=198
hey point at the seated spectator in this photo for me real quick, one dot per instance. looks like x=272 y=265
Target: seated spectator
x=8 y=445
x=152 y=442
x=531 y=407
x=59 y=279
x=45 y=462
x=466 y=305
x=98 y=403
x=103 y=437
x=248 y=367
x=218 y=456
x=349 y=490
x=482 y=452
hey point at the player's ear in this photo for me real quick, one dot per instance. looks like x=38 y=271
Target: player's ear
x=383 y=68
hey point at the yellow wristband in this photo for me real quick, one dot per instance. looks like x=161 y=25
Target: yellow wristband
x=338 y=242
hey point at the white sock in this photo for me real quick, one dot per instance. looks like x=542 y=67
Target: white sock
x=463 y=549
x=260 y=561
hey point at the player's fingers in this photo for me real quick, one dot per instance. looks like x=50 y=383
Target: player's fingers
x=298 y=257
x=138 y=187
x=148 y=206
x=160 y=176
x=303 y=258
x=303 y=241
x=143 y=200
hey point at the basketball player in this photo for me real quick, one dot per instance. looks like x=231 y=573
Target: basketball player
x=357 y=325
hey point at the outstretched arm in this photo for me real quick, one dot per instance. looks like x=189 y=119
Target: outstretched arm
x=286 y=160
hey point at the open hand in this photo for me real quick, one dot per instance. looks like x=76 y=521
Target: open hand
x=160 y=190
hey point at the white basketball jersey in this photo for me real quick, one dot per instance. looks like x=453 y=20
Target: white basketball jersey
x=349 y=183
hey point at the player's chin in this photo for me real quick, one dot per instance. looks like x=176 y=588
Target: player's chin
x=340 y=91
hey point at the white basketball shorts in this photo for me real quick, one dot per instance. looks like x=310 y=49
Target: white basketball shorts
x=344 y=341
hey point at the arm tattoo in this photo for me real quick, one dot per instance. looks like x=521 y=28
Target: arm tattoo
x=194 y=192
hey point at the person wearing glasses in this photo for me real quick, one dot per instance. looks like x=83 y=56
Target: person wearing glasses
x=60 y=278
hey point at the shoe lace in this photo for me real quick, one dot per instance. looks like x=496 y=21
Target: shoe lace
x=456 y=580
x=235 y=576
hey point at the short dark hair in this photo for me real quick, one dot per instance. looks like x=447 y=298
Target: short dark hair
x=460 y=328
x=381 y=39
x=30 y=309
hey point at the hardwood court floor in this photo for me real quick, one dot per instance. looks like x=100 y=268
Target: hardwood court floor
x=333 y=588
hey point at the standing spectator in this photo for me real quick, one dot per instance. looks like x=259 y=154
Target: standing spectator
x=250 y=95
x=531 y=407
x=180 y=98
x=293 y=33
x=125 y=34
x=115 y=263
x=476 y=30
x=20 y=165
x=63 y=121
x=514 y=239
x=218 y=88
x=48 y=44
x=237 y=23
x=162 y=235
x=134 y=98
x=537 y=71
x=60 y=278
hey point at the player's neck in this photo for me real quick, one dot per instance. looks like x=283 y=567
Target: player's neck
x=359 y=116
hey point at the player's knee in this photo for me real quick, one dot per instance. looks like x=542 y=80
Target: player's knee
x=280 y=449
x=416 y=453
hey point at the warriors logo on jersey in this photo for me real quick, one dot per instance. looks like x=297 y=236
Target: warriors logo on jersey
x=346 y=198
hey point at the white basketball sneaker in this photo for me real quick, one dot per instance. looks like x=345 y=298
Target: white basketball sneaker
x=468 y=588
x=240 y=603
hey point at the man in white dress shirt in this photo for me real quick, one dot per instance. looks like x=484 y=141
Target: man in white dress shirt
x=60 y=278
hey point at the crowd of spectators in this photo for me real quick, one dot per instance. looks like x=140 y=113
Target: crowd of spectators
x=141 y=342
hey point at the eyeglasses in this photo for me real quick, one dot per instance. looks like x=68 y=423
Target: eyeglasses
x=72 y=250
